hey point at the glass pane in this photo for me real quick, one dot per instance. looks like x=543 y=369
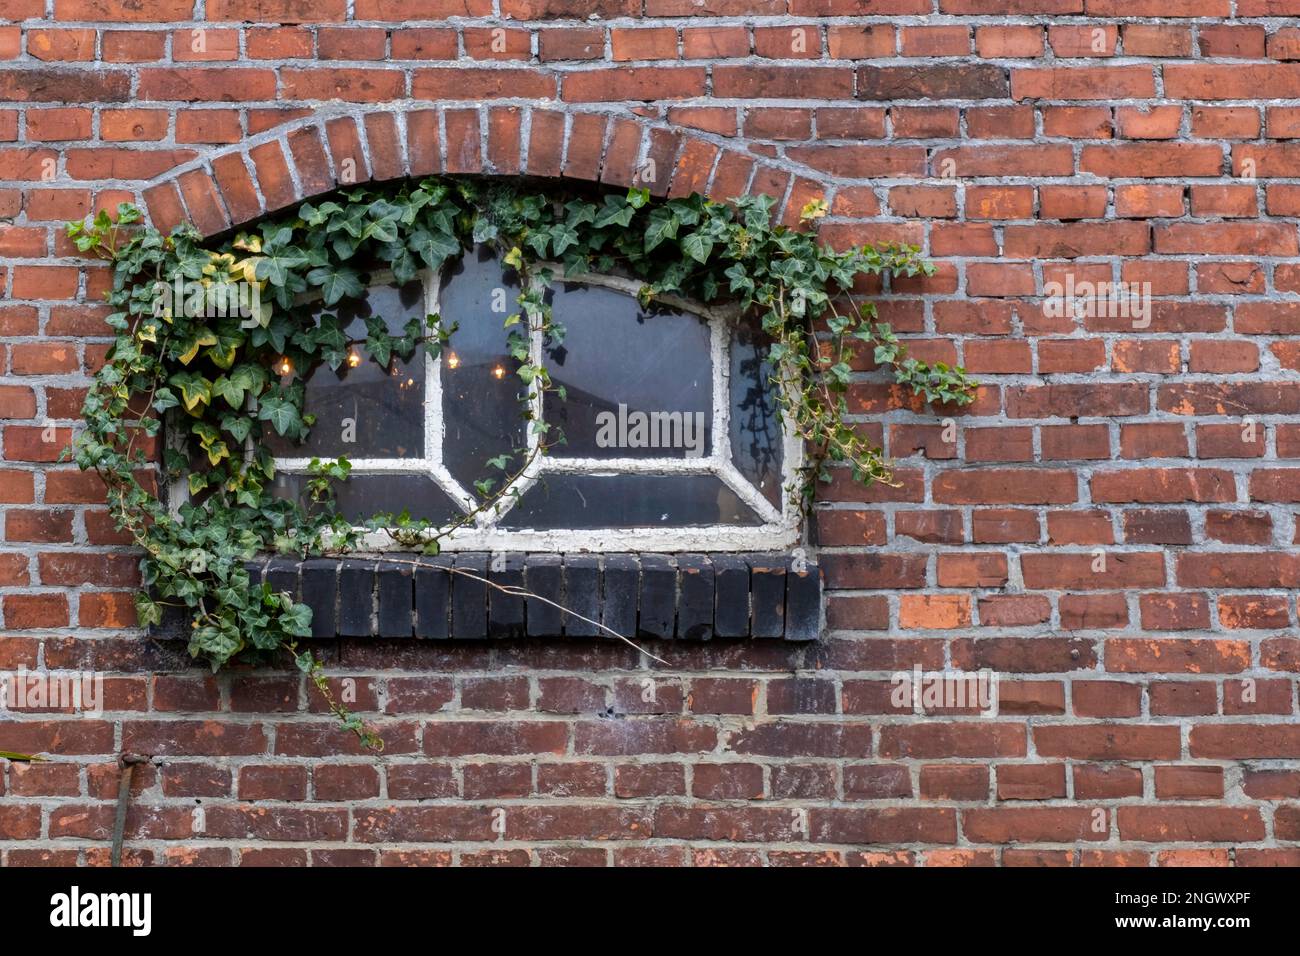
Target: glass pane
x=482 y=411
x=363 y=496
x=639 y=381
x=628 y=501
x=756 y=443
x=364 y=410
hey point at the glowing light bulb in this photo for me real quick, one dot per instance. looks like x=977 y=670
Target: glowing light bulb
x=285 y=367
x=353 y=359
x=499 y=372
x=453 y=360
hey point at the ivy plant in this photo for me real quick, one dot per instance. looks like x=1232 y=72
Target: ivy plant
x=223 y=384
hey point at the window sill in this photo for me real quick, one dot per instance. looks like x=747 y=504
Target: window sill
x=684 y=596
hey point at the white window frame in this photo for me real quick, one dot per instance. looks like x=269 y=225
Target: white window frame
x=781 y=527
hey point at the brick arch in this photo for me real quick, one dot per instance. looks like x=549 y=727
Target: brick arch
x=305 y=157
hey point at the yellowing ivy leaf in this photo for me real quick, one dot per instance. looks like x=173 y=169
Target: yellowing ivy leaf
x=814 y=209
x=205 y=338
x=217 y=451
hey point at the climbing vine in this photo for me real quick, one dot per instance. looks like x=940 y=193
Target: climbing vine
x=225 y=379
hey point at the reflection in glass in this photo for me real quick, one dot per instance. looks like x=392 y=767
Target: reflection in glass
x=756 y=442
x=628 y=501
x=364 y=410
x=363 y=496
x=482 y=409
x=639 y=380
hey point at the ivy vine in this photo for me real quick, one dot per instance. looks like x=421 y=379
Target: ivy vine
x=224 y=384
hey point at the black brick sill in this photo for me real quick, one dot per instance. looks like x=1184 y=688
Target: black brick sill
x=686 y=596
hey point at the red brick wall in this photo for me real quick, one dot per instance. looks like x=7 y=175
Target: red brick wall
x=1148 y=711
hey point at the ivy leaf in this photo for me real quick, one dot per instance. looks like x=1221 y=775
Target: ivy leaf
x=164 y=399
x=404 y=267
x=239 y=426
x=381 y=230
x=484 y=230
x=148 y=612
x=663 y=225
x=311 y=215
x=617 y=212
x=249 y=377
x=433 y=247
x=275 y=268
x=277 y=333
x=297 y=620
x=563 y=237
x=282 y=414
x=336 y=283
x=195 y=389
x=579 y=212
x=813 y=209
x=698 y=246
x=231 y=391
x=222 y=352
x=539 y=241
x=379 y=343
x=191 y=348
x=190 y=262
x=331 y=341
x=411 y=332
x=216 y=452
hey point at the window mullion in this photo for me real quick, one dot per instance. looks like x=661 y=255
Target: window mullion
x=718 y=335
x=434 y=425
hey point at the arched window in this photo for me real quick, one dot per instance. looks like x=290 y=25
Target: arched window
x=672 y=438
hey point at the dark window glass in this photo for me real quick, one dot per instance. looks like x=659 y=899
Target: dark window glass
x=756 y=441
x=364 y=410
x=481 y=407
x=628 y=501
x=638 y=381
x=363 y=496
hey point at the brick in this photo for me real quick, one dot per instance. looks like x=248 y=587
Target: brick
x=1175 y=823
x=1083 y=83
x=966 y=81
x=1014 y=610
x=632 y=83
x=1006 y=487
x=1106 y=782
x=1108 y=742
x=570 y=44
x=1090 y=572
x=1164 y=485
x=285 y=11
x=1159 y=40
x=1031 y=781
